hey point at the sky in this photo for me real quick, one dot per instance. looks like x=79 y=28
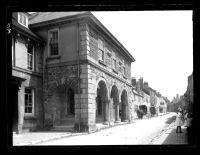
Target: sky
x=161 y=43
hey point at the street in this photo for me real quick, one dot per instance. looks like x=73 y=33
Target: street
x=140 y=132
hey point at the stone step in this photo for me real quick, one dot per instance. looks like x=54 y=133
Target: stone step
x=68 y=128
x=67 y=121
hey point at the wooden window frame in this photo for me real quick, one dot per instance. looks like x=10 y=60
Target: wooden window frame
x=49 y=49
x=28 y=54
x=101 y=60
x=33 y=101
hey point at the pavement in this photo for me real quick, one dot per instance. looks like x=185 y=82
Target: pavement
x=167 y=136
x=170 y=137
x=32 y=138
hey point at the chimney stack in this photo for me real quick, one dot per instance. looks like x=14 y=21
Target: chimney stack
x=133 y=82
x=141 y=82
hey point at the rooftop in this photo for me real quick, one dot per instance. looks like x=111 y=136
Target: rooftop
x=40 y=17
x=45 y=18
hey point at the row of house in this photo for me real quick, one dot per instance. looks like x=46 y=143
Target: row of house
x=185 y=101
x=145 y=95
x=69 y=70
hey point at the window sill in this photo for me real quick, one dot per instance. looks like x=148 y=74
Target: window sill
x=102 y=63
x=115 y=71
x=29 y=117
x=53 y=57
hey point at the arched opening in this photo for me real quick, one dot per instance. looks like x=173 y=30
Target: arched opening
x=71 y=104
x=102 y=103
x=123 y=110
x=114 y=104
x=63 y=106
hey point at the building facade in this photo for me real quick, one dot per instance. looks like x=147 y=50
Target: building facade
x=162 y=105
x=26 y=82
x=87 y=72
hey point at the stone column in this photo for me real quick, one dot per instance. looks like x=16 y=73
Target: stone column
x=111 y=109
x=20 y=109
x=127 y=117
x=106 y=111
x=117 y=112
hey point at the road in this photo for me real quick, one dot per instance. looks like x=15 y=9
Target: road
x=140 y=132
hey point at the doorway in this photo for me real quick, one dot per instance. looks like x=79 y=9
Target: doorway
x=14 y=103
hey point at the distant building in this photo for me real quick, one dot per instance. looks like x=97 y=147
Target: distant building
x=162 y=105
x=189 y=94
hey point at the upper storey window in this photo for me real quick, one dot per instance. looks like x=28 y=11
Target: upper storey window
x=53 y=42
x=23 y=19
x=30 y=58
x=101 y=50
x=114 y=64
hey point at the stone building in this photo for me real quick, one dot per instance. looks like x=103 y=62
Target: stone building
x=138 y=100
x=175 y=104
x=162 y=105
x=26 y=94
x=87 y=71
x=188 y=96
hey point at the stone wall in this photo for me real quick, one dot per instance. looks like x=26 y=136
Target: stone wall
x=89 y=50
x=56 y=77
x=97 y=75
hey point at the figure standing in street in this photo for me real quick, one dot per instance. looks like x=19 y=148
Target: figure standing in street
x=179 y=121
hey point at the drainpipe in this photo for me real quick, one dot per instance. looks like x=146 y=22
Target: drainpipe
x=43 y=84
x=78 y=69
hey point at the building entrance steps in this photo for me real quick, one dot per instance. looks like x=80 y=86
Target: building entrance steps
x=63 y=128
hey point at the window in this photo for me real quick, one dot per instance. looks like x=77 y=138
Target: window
x=29 y=101
x=13 y=51
x=161 y=103
x=30 y=57
x=114 y=64
x=124 y=69
x=53 y=42
x=100 y=50
x=120 y=67
x=23 y=19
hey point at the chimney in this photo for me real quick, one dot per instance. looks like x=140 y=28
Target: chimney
x=141 y=82
x=133 y=82
x=138 y=86
x=146 y=84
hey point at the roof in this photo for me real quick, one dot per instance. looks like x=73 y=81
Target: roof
x=25 y=30
x=48 y=16
x=44 y=18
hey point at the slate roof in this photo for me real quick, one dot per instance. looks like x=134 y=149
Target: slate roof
x=45 y=17
x=48 y=16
